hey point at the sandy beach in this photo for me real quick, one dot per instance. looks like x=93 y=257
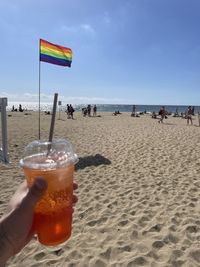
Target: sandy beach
x=139 y=190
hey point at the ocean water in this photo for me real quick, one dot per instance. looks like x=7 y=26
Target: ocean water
x=33 y=106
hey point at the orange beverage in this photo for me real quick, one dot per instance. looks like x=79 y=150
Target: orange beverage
x=53 y=213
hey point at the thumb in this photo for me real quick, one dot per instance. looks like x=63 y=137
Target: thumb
x=35 y=192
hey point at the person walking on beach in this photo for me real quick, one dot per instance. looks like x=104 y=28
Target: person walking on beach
x=162 y=114
x=95 y=110
x=89 y=110
x=68 y=111
x=84 y=112
x=189 y=115
x=133 y=114
x=193 y=111
x=71 y=111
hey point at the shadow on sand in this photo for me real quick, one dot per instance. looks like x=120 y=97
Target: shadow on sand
x=169 y=123
x=92 y=161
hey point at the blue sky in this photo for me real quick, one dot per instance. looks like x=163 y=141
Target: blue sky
x=126 y=52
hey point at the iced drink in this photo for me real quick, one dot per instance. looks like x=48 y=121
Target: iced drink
x=55 y=162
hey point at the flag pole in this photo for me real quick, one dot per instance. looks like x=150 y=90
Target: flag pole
x=39 y=97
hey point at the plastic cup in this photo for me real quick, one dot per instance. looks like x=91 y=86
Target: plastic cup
x=53 y=213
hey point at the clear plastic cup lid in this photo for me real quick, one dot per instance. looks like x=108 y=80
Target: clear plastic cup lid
x=48 y=155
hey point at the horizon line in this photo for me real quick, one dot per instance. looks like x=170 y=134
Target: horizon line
x=124 y=104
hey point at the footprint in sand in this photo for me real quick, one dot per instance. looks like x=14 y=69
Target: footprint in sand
x=156 y=228
x=158 y=244
x=192 y=229
x=39 y=256
x=106 y=254
x=98 y=263
x=171 y=239
x=139 y=261
x=123 y=223
x=92 y=223
x=134 y=234
x=126 y=248
x=195 y=255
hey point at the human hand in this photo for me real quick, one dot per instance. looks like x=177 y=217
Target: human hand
x=15 y=226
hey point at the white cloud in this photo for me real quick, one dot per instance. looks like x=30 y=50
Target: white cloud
x=70 y=29
x=106 y=18
x=26 y=97
x=87 y=28
x=45 y=98
x=89 y=100
x=82 y=28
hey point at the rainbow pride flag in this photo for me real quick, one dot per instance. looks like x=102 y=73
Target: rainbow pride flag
x=55 y=54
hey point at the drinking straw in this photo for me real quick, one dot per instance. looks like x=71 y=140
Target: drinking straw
x=53 y=117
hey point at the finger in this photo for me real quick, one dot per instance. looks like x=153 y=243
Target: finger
x=75 y=185
x=36 y=191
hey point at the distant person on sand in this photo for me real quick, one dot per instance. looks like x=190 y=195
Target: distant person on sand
x=15 y=225
x=68 y=111
x=71 y=111
x=117 y=113
x=20 y=108
x=13 y=108
x=84 y=112
x=154 y=115
x=95 y=110
x=176 y=113
x=133 y=114
x=89 y=110
x=193 y=111
x=162 y=114
x=189 y=115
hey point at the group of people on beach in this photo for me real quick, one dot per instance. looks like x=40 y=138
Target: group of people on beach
x=15 y=109
x=86 y=111
x=70 y=111
x=163 y=114
x=186 y=115
x=15 y=225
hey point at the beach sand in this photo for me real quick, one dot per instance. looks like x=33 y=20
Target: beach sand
x=139 y=190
